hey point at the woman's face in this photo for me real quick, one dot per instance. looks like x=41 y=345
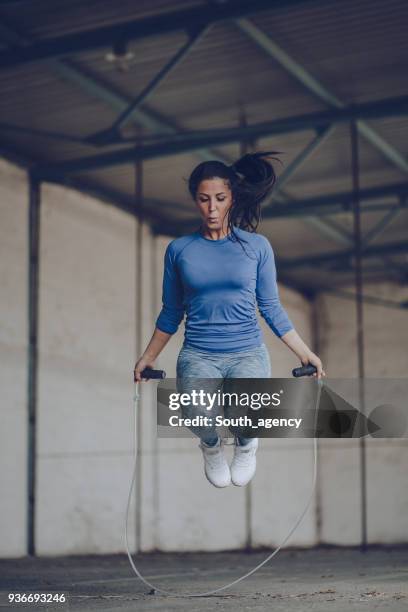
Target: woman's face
x=214 y=199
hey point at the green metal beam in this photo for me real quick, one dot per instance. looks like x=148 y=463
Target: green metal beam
x=158 y=79
x=323 y=226
x=323 y=93
x=189 y=141
x=379 y=227
x=341 y=256
x=343 y=199
x=321 y=137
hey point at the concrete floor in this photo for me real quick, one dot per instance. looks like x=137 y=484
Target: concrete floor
x=319 y=579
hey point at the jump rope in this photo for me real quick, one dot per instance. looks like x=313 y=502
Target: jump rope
x=149 y=373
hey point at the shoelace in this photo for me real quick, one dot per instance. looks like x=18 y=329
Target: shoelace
x=243 y=456
x=214 y=457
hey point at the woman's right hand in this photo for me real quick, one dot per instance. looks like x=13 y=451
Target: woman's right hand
x=141 y=364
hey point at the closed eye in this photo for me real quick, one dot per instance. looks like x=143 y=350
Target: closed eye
x=218 y=199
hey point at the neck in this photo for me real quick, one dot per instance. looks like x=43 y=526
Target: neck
x=214 y=234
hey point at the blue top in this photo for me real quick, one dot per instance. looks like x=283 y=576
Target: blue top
x=218 y=285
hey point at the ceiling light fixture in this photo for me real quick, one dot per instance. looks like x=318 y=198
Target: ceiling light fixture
x=120 y=56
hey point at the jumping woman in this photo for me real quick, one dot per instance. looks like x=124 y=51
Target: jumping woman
x=217 y=275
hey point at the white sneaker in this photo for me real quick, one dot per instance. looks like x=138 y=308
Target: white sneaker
x=216 y=467
x=243 y=465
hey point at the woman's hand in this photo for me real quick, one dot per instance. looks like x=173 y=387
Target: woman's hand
x=141 y=364
x=311 y=358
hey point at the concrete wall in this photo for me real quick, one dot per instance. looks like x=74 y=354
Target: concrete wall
x=13 y=360
x=88 y=342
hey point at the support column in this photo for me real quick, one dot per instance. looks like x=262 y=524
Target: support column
x=360 y=321
x=317 y=348
x=245 y=147
x=33 y=286
x=139 y=339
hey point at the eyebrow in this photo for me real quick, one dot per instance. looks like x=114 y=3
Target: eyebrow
x=220 y=193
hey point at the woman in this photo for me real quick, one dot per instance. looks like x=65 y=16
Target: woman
x=217 y=275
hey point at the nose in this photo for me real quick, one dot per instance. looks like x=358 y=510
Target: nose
x=213 y=205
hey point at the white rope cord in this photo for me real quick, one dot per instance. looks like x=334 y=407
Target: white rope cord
x=257 y=567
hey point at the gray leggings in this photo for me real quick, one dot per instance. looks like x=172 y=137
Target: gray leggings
x=193 y=364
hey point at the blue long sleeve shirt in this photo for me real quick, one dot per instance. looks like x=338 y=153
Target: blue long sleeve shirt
x=218 y=286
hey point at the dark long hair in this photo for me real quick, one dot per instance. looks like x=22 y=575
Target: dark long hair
x=251 y=178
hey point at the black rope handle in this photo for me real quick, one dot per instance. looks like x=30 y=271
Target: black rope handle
x=306 y=370
x=150 y=373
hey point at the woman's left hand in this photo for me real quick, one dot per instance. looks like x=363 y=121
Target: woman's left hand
x=313 y=359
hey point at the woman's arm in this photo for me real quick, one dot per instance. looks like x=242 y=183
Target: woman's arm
x=170 y=316
x=267 y=293
x=300 y=348
x=157 y=343
x=273 y=312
